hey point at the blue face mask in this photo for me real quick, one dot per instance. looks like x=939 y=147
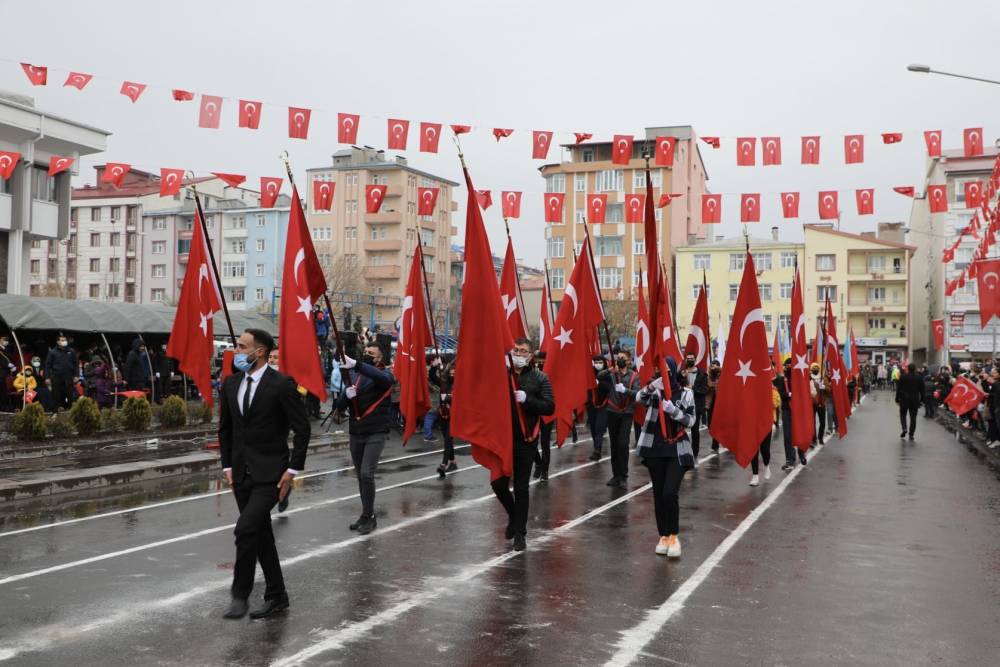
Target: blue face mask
x=242 y=362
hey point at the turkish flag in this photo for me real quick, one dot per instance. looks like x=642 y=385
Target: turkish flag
x=621 y=149
x=554 y=207
x=828 y=205
x=270 y=186
x=776 y=355
x=374 y=195
x=712 y=141
x=988 y=286
x=461 y=129
x=854 y=149
x=699 y=342
x=597 y=206
x=865 y=199
x=906 y=190
x=78 y=80
x=323 y=195
x=132 y=90
x=790 y=204
x=643 y=341
x=933 y=140
x=191 y=336
x=511 y=204
x=745 y=383
x=430 y=133
x=803 y=418
x=750 y=207
x=635 y=206
x=950 y=287
x=302 y=284
x=398 y=131
x=8 y=160
x=501 y=133
x=838 y=372
x=250 y=114
x=485 y=199
x=937 y=198
x=38 y=75
x=582 y=136
x=59 y=164
x=948 y=255
x=427 y=200
x=210 y=111
x=545 y=318
x=298 y=122
x=232 y=180
x=114 y=173
x=410 y=365
x=347 y=128
x=510 y=295
x=665 y=151
x=746 y=154
x=937 y=329
x=182 y=95
x=668 y=344
x=771 y=150
x=481 y=407
x=892 y=137
x=972 y=140
x=964 y=396
x=170 y=181
x=810 y=150
x=973 y=193
x=668 y=197
x=711 y=208
x=540 y=142
x=568 y=361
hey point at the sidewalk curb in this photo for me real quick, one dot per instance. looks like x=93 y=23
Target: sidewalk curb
x=972 y=441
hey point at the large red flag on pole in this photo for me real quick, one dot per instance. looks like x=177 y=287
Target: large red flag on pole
x=481 y=409
x=698 y=341
x=669 y=345
x=664 y=341
x=803 y=418
x=302 y=284
x=510 y=295
x=410 y=365
x=544 y=318
x=191 y=336
x=838 y=373
x=643 y=344
x=744 y=390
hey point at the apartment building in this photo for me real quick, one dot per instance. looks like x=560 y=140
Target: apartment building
x=253 y=248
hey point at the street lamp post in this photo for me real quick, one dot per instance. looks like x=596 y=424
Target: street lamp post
x=926 y=69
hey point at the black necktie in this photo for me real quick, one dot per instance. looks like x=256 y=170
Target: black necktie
x=246 y=397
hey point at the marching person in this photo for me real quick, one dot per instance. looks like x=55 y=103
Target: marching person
x=371 y=416
x=532 y=399
x=544 y=457
x=621 y=411
x=597 y=405
x=714 y=373
x=445 y=380
x=909 y=396
x=666 y=451
x=258 y=408
x=820 y=395
x=783 y=384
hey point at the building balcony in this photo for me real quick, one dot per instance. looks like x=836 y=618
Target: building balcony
x=382 y=272
x=864 y=305
x=384 y=218
x=876 y=338
x=383 y=245
x=888 y=275
x=429 y=250
x=182 y=258
x=234 y=281
x=427 y=224
x=130 y=276
x=130 y=226
x=185 y=234
x=394 y=191
x=234 y=233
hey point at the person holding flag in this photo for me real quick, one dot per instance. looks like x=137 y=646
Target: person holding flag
x=597 y=405
x=621 y=409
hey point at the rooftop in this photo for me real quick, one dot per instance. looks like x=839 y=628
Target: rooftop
x=737 y=242
x=826 y=229
x=373 y=159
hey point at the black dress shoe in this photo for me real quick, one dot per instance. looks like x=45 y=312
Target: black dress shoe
x=354 y=526
x=509 y=532
x=612 y=482
x=538 y=470
x=367 y=525
x=452 y=467
x=621 y=483
x=271 y=607
x=519 y=543
x=902 y=435
x=237 y=609
x=544 y=477
x=596 y=456
x=911 y=437
x=802 y=458
x=441 y=471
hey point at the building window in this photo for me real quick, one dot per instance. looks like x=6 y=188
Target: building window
x=762 y=261
x=785 y=290
x=696 y=290
x=260 y=270
x=785 y=322
x=259 y=294
x=736 y=261
x=376 y=233
x=764 y=289
x=588 y=154
x=580 y=181
x=115 y=239
x=734 y=291
x=113 y=291
x=157 y=295
x=702 y=262
x=94 y=291
x=260 y=220
x=609 y=180
x=351 y=206
x=351 y=232
x=95 y=265
x=826 y=262
x=824 y=292
x=238 y=246
x=159 y=270
x=614 y=213
x=184 y=246
x=876 y=295
x=116 y=213
x=95 y=240
x=638 y=246
x=238 y=222
x=876 y=323
x=234 y=269
x=768 y=321
x=236 y=295
x=962 y=257
x=556 y=247
x=260 y=242
x=36 y=266
x=159 y=224
x=555 y=183
x=609 y=277
x=74 y=213
x=608 y=245
x=876 y=264
x=426 y=237
x=639 y=179
x=787 y=259
x=95 y=214
x=36 y=244
x=43 y=186
x=557 y=278
x=159 y=247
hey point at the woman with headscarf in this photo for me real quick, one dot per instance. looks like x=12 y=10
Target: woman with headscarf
x=664 y=447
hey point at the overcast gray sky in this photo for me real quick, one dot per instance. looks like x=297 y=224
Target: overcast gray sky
x=727 y=68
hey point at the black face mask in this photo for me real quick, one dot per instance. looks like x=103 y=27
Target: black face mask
x=621 y=363
x=690 y=363
x=714 y=373
x=368 y=359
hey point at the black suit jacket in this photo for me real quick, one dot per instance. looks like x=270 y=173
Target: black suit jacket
x=258 y=442
x=910 y=390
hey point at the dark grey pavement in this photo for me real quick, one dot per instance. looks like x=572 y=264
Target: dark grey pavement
x=878 y=552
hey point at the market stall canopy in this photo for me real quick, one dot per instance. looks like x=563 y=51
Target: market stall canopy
x=46 y=313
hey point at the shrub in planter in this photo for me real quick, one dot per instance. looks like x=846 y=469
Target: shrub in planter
x=173 y=412
x=30 y=423
x=200 y=413
x=61 y=426
x=111 y=420
x=206 y=413
x=136 y=414
x=86 y=416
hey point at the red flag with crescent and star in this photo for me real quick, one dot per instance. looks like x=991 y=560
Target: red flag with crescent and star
x=510 y=295
x=905 y=190
x=302 y=285
x=665 y=151
x=232 y=180
x=892 y=137
x=771 y=150
x=621 y=149
x=170 y=181
x=510 y=203
x=828 y=209
x=210 y=111
x=485 y=199
x=114 y=173
x=544 y=319
x=374 y=195
x=964 y=396
x=38 y=75
x=745 y=382
x=430 y=134
x=635 y=208
x=132 y=90
x=323 y=195
x=597 y=206
x=410 y=365
x=398 y=131
x=937 y=198
x=643 y=347
x=298 y=122
x=191 y=336
x=698 y=340
x=988 y=286
x=711 y=209
x=554 y=207
x=973 y=193
x=933 y=140
x=347 y=128
x=250 y=114
x=972 y=141
x=427 y=200
x=750 y=207
x=181 y=95
x=270 y=186
x=78 y=80
x=803 y=417
x=790 y=205
x=838 y=372
x=810 y=150
x=540 y=142
x=746 y=151
x=8 y=160
x=865 y=200
x=854 y=149
x=59 y=164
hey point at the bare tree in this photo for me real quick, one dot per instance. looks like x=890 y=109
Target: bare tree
x=342 y=275
x=621 y=317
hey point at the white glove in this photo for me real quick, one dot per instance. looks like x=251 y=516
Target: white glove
x=12 y=367
x=157 y=376
x=620 y=388
x=348 y=363
x=520 y=396
x=668 y=407
x=444 y=397
x=657 y=383
x=351 y=392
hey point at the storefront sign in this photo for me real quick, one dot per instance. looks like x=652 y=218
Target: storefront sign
x=872 y=342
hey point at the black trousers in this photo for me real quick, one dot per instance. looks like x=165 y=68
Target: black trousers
x=786 y=435
x=545 y=441
x=449 y=443
x=666 y=475
x=708 y=422
x=930 y=406
x=365 y=452
x=516 y=504
x=696 y=430
x=764 y=452
x=619 y=432
x=255 y=540
x=597 y=422
x=62 y=392
x=820 y=411
x=910 y=410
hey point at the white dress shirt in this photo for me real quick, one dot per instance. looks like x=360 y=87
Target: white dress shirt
x=241 y=392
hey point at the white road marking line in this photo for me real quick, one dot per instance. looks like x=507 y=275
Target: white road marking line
x=201 y=496
x=59 y=632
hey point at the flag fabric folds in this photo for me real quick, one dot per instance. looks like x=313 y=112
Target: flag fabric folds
x=838 y=373
x=803 y=418
x=510 y=295
x=410 y=365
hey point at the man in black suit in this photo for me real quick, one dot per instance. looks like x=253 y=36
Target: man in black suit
x=258 y=407
x=909 y=396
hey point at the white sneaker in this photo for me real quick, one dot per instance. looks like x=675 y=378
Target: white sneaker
x=663 y=546
x=755 y=480
x=995 y=445
x=767 y=472
x=674 y=551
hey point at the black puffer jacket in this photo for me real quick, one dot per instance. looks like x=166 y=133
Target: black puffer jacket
x=538 y=402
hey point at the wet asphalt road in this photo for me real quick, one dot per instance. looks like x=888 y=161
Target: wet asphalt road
x=878 y=552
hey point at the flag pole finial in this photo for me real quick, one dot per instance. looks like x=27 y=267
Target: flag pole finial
x=458 y=145
x=288 y=166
